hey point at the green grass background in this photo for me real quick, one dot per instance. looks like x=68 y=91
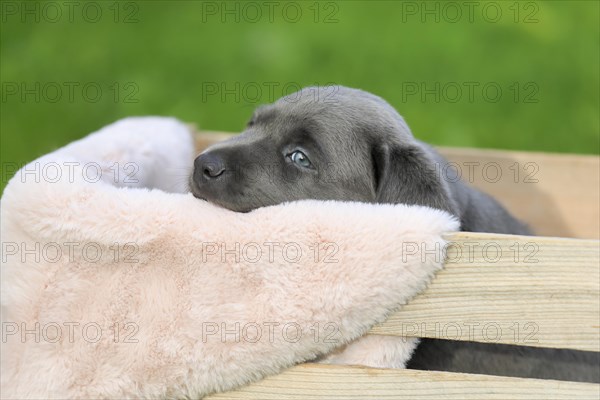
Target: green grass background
x=175 y=50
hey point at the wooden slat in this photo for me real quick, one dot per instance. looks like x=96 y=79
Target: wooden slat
x=556 y=194
x=313 y=381
x=532 y=291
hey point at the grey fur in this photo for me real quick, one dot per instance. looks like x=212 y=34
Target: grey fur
x=361 y=149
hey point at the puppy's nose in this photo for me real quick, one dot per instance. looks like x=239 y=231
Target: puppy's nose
x=209 y=165
x=211 y=170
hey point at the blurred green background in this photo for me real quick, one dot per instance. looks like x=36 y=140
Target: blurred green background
x=68 y=71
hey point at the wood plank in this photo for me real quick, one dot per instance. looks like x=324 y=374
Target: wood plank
x=556 y=194
x=314 y=381
x=531 y=291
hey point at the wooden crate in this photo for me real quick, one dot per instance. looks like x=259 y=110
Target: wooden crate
x=544 y=290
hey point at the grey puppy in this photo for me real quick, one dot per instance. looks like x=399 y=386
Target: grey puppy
x=337 y=143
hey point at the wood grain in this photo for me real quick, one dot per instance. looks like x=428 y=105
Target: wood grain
x=314 y=381
x=532 y=291
x=556 y=194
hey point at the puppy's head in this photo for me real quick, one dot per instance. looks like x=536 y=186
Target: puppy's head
x=328 y=143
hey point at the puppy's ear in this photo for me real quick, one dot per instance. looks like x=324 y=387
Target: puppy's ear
x=406 y=173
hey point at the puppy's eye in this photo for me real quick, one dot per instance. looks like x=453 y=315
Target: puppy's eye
x=301 y=159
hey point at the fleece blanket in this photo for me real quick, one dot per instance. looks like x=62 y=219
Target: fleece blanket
x=117 y=283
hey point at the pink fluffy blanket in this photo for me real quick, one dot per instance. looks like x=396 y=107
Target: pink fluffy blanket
x=117 y=283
